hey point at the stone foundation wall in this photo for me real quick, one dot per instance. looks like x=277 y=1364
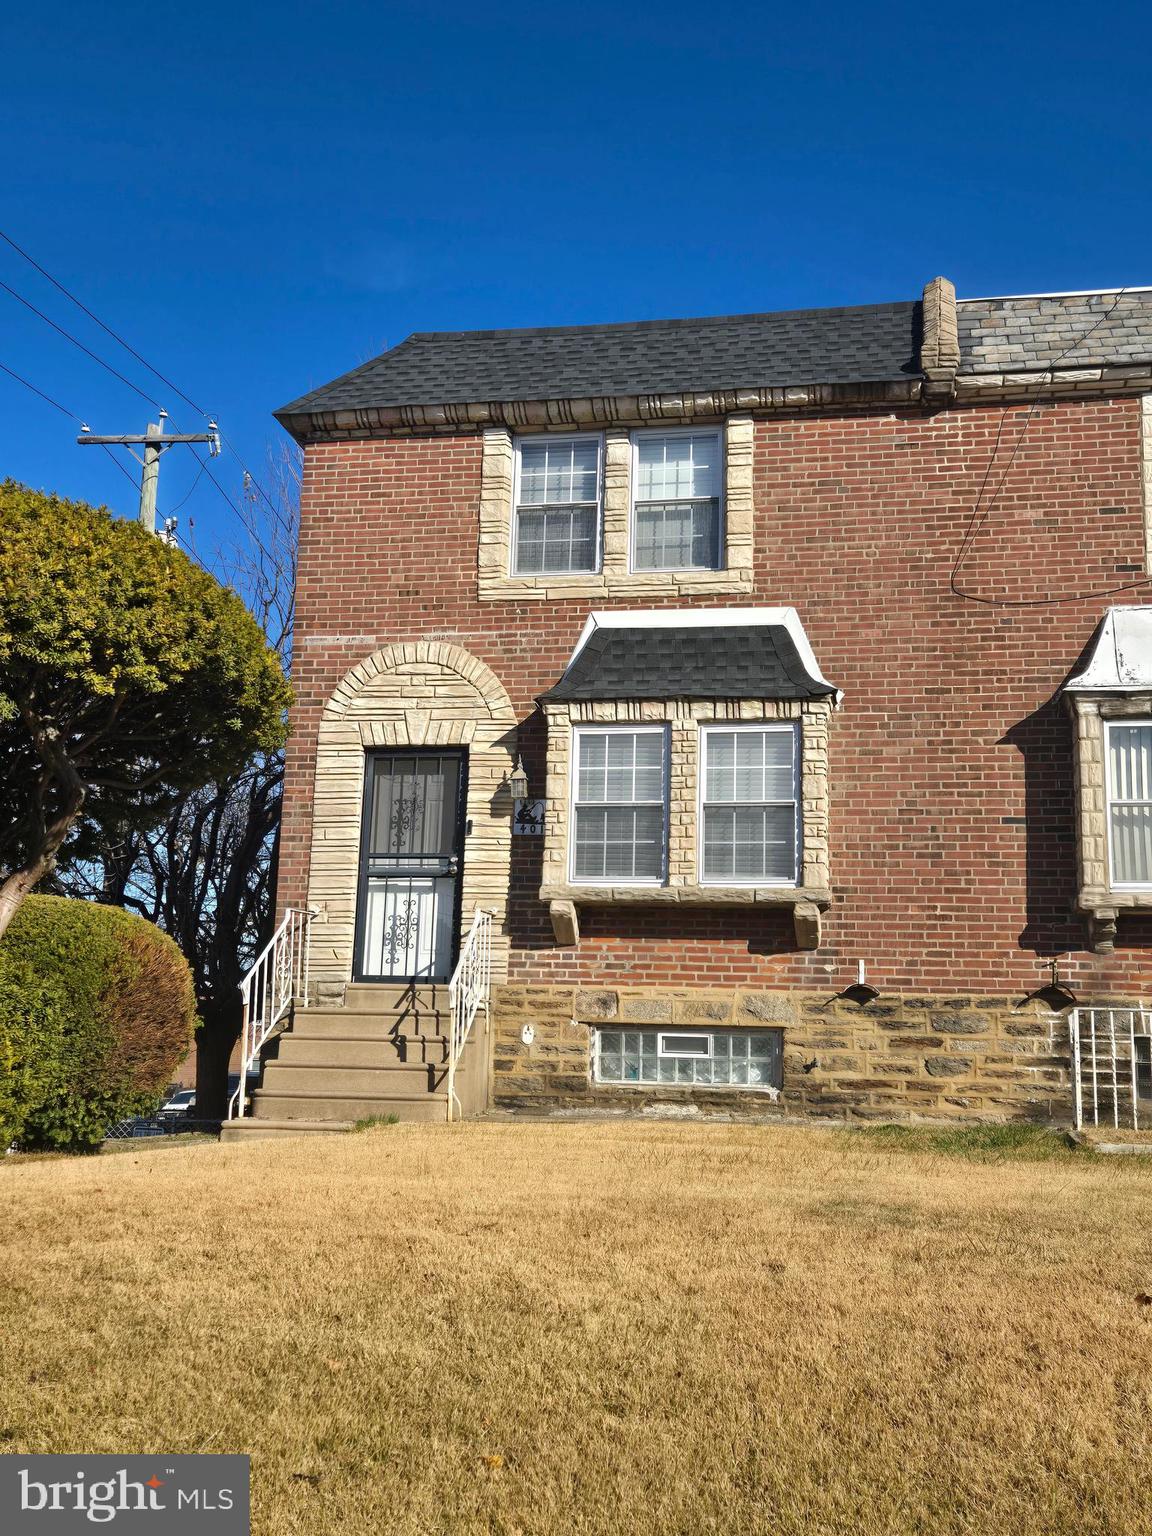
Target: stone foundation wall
x=899 y=1058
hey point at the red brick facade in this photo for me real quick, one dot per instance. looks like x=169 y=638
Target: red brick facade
x=952 y=850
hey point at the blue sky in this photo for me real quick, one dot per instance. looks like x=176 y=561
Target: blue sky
x=260 y=197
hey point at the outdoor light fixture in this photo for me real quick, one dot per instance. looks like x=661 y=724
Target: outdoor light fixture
x=518 y=781
x=859 y=991
x=1053 y=994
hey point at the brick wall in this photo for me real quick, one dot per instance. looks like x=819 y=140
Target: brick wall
x=952 y=839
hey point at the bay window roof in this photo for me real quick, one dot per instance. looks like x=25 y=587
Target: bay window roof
x=1121 y=657
x=751 y=653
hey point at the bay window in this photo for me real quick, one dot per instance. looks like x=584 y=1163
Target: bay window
x=749 y=805
x=619 y=805
x=557 y=506
x=676 y=480
x=1130 y=801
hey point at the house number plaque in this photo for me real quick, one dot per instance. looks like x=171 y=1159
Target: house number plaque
x=528 y=819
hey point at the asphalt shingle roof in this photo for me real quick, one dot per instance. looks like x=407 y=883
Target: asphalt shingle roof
x=1081 y=330
x=869 y=343
x=865 y=344
x=696 y=662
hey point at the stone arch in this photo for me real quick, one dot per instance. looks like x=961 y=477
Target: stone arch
x=414 y=653
x=421 y=693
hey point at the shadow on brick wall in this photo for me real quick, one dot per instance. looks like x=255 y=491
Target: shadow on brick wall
x=1044 y=740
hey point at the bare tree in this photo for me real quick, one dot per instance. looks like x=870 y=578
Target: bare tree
x=207 y=873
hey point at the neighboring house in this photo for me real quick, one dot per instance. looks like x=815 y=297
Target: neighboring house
x=701 y=579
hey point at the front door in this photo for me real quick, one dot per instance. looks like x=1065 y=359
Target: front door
x=411 y=853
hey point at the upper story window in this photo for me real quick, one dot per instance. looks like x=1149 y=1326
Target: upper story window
x=557 y=506
x=1130 y=801
x=676 y=491
x=620 y=790
x=749 y=809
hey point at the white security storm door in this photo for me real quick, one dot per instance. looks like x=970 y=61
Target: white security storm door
x=410 y=865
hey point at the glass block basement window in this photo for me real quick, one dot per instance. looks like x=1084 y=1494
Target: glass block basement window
x=715 y=1058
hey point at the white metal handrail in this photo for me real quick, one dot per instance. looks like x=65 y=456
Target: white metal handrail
x=277 y=979
x=1111 y=1052
x=468 y=992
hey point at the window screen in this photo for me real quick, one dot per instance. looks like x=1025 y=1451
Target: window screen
x=557 y=506
x=618 y=811
x=749 y=805
x=676 y=501
x=1130 y=803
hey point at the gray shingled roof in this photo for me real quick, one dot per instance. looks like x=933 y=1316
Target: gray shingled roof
x=696 y=662
x=1080 y=329
x=868 y=343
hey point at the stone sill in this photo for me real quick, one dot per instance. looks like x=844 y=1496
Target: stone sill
x=688 y=895
x=1096 y=900
x=806 y=903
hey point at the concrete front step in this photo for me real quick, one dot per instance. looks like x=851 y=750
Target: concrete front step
x=409 y=997
x=319 y=1108
x=266 y=1130
x=307 y=1050
x=403 y=1078
x=358 y=1024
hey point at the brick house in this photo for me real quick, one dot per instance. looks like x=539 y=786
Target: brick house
x=728 y=664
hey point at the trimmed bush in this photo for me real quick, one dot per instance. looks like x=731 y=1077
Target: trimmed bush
x=96 y=1013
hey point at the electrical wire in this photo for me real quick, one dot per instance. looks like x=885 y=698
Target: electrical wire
x=196 y=481
x=20 y=299
x=68 y=294
x=979 y=517
x=140 y=358
x=20 y=379
x=64 y=411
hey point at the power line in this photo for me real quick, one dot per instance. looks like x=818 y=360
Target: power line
x=979 y=518
x=196 y=481
x=12 y=374
x=64 y=411
x=20 y=299
x=68 y=294
x=140 y=358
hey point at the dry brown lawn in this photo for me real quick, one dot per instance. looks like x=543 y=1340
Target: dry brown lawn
x=597 y=1328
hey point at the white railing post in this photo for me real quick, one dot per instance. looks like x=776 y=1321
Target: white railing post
x=468 y=991
x=275 y=981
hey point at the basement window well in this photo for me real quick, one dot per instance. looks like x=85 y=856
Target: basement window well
x=715 y=1058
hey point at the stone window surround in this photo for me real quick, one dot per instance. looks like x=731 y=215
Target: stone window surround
x=683 y=885
x=615 y=577
x=1098 y=899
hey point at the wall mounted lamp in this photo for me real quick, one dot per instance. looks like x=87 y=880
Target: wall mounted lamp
x=859 y=991
x=1054 y=994
x=518 y=781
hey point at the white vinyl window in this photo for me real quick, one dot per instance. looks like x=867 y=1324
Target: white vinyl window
x=557 y=506
x=1130 y=801
x=676 y=489
x=619 y=806
x=749 y=805
x=728 y=1058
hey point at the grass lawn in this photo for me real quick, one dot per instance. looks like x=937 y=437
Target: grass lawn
x=640 y=1328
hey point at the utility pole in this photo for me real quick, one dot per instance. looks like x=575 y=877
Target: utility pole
x=154 y=441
